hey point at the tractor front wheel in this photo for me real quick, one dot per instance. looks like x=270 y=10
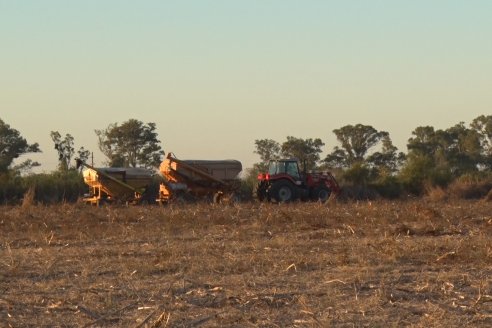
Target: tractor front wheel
x=283 y=192
x=321 y=194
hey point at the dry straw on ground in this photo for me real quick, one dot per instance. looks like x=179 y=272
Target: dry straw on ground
x=416 y=263
x=28 y=199
x=489 y=196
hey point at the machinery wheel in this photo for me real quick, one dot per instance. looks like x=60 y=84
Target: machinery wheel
x=321 y=194
x=283 y=192
x=218 y=197
x=230 y=198
x=259 y=192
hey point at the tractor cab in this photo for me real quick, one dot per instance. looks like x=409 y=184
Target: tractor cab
x=285 y=166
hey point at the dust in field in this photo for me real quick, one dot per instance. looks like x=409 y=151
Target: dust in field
x=358 y=264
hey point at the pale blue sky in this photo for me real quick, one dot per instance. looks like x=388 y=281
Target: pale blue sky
x=216 y=75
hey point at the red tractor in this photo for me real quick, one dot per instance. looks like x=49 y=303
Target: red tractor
x=285 y=183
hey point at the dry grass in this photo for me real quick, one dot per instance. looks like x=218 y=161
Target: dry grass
x=29 y=198
x=488 y=198
x=460 y=189
x=396 y=264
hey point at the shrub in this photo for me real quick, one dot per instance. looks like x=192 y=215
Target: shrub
x=57 y=187
x=470 y=187
x=49 y=188
x=388 y=187
x=358 y=175
x=435 y=193
x=11 y=188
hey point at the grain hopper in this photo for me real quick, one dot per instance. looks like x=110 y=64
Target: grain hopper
x=113 y=184
x=198 y=179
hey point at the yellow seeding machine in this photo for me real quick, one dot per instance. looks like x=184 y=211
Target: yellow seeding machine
x=181 y=180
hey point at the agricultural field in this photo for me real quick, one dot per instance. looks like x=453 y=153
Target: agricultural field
x=357 y=264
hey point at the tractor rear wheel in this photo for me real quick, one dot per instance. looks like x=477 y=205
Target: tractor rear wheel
x=283 y=192
x=321 y=194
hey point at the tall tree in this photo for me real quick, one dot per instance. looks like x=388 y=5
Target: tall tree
x=426 y=160
x=356 y=155
x=424 y=141
x=66 y=150
x=307 y=151
x=437 y=157
x=83 y=154
x=462 y=149
x=457 y=148
x=483 y=126
x=268 y=150
x=133 y=143
x=356 y=141
x=12 y=145
x=388 y=160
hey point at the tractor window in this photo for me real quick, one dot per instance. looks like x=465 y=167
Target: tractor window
x=292 y=170
x=276 y=168
x=289 y=168
x=272 y=169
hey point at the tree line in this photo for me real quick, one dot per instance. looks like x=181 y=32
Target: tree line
x=133 y=143
x=364 y=158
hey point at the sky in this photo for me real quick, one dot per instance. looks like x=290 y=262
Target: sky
x=217 y=75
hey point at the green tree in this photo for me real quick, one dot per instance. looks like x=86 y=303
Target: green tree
x=268 y=150
x=426 y=159
x=424 y=141
x=12 y=145
x=462 y=149
x=356 y=143
x=307 y=151
x=133 y=143
x=436 y=157
x=457 y=148
x=388 y=161
x=419 y=170
x=483 y=126
x=66 y=150
x=361 y=164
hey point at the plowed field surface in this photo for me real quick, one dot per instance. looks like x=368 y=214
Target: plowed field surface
x=411 y=263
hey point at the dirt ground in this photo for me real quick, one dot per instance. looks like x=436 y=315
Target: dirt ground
x=366 y=264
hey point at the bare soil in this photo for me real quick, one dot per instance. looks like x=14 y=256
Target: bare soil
x=367 y=264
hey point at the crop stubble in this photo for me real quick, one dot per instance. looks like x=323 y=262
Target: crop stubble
x=406 y=263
